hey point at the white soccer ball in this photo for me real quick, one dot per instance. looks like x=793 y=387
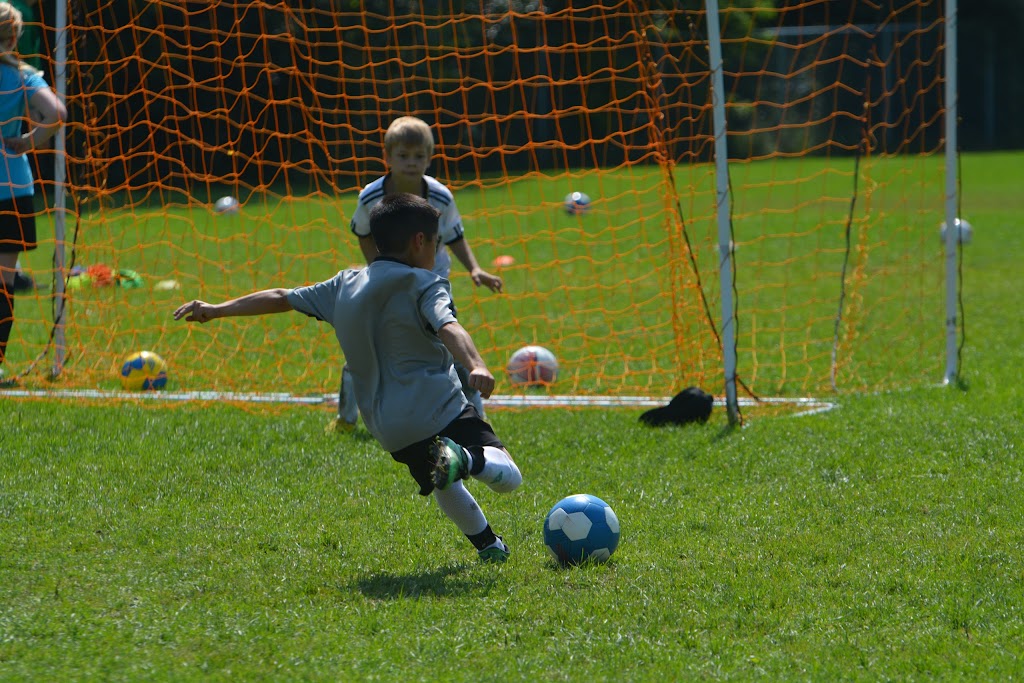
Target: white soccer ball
x=228 y=205
x=532 y=365
x=965 y=231
x=576 y=203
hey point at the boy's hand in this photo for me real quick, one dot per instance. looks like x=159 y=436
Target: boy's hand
x=482 y=277
x=482 y=380
x=195 y=311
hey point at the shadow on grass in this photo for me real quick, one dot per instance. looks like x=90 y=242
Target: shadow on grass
x=587 y=565
x=726 y=431
x=455 y=580
x=361 y=434
x=358 y=433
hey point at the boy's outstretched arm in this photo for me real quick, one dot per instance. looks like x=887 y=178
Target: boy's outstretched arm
x=257 y=303
x=480 y=276
x=457 y=340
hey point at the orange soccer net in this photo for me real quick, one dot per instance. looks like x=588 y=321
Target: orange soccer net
x=834 y=117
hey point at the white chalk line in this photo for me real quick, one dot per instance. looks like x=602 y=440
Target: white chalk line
x=804 y=405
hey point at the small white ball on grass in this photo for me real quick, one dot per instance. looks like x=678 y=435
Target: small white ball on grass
x=964 y=230
x=226 y=205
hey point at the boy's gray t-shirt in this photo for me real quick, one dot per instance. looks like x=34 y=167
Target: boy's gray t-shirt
x=386 y=317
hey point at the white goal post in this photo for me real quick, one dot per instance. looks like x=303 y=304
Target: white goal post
x=723 y=197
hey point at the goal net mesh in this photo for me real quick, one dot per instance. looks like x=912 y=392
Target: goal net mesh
x=835 y=133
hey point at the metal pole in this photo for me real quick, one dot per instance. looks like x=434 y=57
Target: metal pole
x=952 y=227
x=60 y=192
x=724 y=204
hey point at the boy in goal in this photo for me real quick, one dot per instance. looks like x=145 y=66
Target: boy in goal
x=408 y=150
x=396 y=324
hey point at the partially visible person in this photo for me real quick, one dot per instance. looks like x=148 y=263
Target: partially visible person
x=30 y=43
x=408 y=149
x=24 y=95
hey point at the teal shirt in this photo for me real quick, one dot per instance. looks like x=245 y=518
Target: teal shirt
x=386 y=317
x=16 y=89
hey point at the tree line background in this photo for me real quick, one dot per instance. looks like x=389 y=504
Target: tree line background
x=233 y=89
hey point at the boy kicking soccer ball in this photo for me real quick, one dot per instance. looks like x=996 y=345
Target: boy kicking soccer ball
x=395 y=322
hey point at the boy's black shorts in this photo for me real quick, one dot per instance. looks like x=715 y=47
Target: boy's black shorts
x=468 y=430
x=17 y=225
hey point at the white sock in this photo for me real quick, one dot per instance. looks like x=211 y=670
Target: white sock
x=458 y=504
x=500 y=472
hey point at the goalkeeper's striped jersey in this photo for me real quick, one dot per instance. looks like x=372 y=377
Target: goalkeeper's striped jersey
x=449 y=225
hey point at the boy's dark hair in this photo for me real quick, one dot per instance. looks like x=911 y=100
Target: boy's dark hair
x=397 y=218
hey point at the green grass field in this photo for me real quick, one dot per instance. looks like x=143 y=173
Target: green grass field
x=883 y=540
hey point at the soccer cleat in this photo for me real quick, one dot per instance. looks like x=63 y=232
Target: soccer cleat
x=23 y=282
x=452 y=462
x=495 y=554
x=339 y=426
x=7 y=381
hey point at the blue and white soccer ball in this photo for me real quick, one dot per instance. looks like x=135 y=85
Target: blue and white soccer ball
x=576 y=203
x=581 y=528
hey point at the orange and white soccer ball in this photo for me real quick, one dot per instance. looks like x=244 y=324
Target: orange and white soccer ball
x=532 y=365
